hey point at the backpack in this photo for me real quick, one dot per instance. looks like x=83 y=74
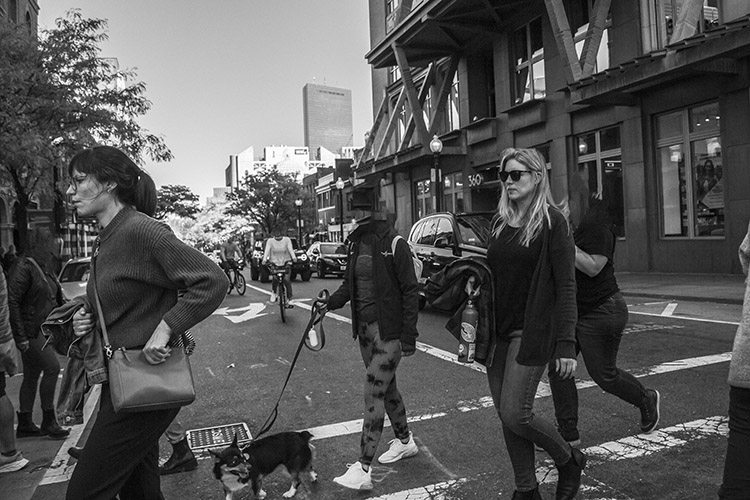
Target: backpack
x=415 y=260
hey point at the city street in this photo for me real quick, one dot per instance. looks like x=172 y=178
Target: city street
x=244 y=352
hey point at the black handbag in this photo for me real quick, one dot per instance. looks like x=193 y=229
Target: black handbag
x=135 y=384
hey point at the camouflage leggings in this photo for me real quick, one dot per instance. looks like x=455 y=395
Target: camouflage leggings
x=381 y=359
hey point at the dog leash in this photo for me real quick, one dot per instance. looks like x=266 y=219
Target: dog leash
x=312 y=339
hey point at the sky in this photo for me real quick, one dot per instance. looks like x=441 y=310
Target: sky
x=228 y=74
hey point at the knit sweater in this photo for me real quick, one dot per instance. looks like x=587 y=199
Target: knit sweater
x=739 y=367
x=139 y=268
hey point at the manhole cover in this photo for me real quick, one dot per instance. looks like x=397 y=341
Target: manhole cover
x=218 y=436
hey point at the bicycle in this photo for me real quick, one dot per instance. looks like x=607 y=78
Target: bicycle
x=279 y=273
x=236 y=279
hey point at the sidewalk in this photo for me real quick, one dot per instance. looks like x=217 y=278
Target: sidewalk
x=720 y=288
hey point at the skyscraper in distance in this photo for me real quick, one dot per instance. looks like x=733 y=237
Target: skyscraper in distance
x=327 y=116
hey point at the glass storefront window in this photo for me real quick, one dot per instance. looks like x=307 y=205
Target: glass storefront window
x=453 y=192
x=424 y=198
x=690 y=169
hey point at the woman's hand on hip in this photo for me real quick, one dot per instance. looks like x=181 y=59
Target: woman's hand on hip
x=156 y=350
x=83 y=322
x=566 y=367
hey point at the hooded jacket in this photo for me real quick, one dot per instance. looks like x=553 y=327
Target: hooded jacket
x=394 y=281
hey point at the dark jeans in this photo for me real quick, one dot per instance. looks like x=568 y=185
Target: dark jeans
x=736 y=482
x=599 y=333
x=381 y=359
x=121 y=455
x=513 y=388
x=36 y=362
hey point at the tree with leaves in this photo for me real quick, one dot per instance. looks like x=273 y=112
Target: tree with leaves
x=267 y=197
x=58 y=96
x=176 y=200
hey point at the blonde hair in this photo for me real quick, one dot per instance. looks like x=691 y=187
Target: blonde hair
x=538 y=211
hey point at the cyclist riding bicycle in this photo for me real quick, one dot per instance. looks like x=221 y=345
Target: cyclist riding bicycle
x=229 y=255
x=278 y=252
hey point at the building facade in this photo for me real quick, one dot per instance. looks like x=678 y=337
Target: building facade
x=327 y=115
x=643 y=103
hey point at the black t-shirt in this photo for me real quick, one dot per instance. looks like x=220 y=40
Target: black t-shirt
x=595 y=239
x=512 y=267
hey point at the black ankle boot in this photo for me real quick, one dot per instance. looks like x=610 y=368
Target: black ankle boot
x=182 y=459
x=75 y=452
x=26 y=427
x=527 y=495
x=50 y=427
x=569 y=475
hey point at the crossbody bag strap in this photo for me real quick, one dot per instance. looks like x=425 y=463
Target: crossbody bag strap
x=99 y=312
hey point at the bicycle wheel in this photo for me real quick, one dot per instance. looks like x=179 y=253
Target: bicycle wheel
x=240 y=283
x=282 y=302
x=231 y=276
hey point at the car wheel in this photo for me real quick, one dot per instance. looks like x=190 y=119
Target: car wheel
x=306 y=275
x=264 y=275
x=321 y=271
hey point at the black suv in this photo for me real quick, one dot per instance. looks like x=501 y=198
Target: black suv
x=327 y=258
x=440 y=238
x=300 y=268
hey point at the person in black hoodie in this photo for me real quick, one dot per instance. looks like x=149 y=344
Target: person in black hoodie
x=382 y=290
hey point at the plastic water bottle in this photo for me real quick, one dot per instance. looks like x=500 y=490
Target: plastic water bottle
x=468 y=343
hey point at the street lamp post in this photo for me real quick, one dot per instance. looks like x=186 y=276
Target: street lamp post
x=298 y=204
x=436 y=146
x=340 y=187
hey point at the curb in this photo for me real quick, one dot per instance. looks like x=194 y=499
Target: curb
x=717 y=300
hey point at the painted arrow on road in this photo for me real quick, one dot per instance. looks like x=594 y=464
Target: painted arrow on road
x=252 y=311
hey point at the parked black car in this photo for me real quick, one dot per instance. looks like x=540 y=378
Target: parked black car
x=327 y=258
x=440 y=238
x=300 y=268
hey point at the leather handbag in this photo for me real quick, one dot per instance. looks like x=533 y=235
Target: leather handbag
x=135 y=384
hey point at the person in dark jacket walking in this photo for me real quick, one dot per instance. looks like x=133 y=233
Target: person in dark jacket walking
x=531 y=256
x=382 y=290
x=32 y=293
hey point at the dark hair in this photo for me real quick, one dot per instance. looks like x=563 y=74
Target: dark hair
x=107 y=164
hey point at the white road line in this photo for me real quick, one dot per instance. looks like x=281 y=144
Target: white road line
x=59 y=471
x=436 y=491
x=689 y=318
x=669 y=309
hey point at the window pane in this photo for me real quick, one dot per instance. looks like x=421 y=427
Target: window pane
x=673 y=190
x=540 y=88
x=445 y=230
x=609 y=138
x=523 y=85
x=586 y=144
x=535 y=33
x=709 y=187
x=668 y=125
x=428 y=233
x=705 y=118
x=520 y=46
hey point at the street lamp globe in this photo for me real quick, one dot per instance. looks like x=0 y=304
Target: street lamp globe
x=298 y=203
x=340 y=184
x=436 y=145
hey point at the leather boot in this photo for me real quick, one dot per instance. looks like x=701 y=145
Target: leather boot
x=569 y=475
x=50 y=427
x=182 y=459
x=527 y=495
x=26 y=427
x=75 y=452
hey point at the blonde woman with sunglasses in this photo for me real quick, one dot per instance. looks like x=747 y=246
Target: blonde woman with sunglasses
x=531 y=255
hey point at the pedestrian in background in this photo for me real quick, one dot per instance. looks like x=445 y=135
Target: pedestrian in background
x=602 y=316
x=531 y=255
x=736 y=481
x=139 y=267
x=382 y=289
x=33 y=291
x=11 y=459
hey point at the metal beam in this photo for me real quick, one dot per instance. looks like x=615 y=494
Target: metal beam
x=392 y=124
x=594 y=36
x=411 y=92
x=442 y=95
x=423 y=93
x=563 y=39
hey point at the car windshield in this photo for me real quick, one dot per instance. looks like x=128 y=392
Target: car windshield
x=333 y=249
x=474 y=228
x=75 y=272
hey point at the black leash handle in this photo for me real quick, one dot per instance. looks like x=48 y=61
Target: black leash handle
x=317 y=313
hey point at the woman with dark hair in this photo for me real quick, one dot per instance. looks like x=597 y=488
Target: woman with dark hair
x=602 y=316
x=33 y=291
x=139 y=266
x=531 y=256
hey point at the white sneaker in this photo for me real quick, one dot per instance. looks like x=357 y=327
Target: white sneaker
x=273 y=297
x=12 y=464
x=355 y=478
x=399 y=450
x=291 y=303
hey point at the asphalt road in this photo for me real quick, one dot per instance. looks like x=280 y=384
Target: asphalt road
x=244 y=351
